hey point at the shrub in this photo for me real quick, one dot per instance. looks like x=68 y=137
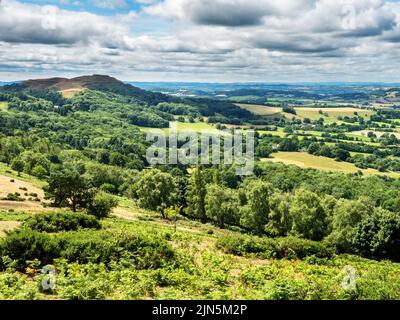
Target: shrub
x=243 y=245
x=289 y=247
x=102 y=205
x=88 y=247
x=13 y=197
x=40 y=172
x=108 y=187
x=302 y=248
x=62 y=221
x=138 y=250
x=103 y=247
x=25 y=245
x=147 y=251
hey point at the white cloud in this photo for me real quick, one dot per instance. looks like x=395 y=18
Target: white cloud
x=25 y=23
x=110 y=4
x=146 y=1
x=220 y=40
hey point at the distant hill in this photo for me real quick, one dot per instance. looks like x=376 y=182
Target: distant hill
x=95 y=82
x=98 y=82
x=223 y=111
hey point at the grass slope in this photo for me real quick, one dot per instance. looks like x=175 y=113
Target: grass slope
x=201 y=271
x=205 y=272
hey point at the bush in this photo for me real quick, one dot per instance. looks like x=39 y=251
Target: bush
x=102 y=205
x=289 y=247
x=25 y=245
x=40 y=172
x=108 y=187
x=138 y=250
x=62 y=221
x=102 y=247
x=302 y=248
x=13 y=197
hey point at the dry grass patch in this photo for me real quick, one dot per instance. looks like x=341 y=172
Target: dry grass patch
x=69 y=93
x=19 y=186
x=8 y=226
x=260 y=109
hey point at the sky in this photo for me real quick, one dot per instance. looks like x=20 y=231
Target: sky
x=202 y=40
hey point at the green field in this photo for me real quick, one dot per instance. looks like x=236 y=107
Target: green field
x=306 y=160
x=3 y=106
x=379 y=134
x=332 y=113
x=197 y=127
x=261 y=109
x=329 y=114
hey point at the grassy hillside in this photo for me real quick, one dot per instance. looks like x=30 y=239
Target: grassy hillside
x=202 y=267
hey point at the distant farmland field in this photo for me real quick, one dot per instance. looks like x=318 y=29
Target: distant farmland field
x=332 y=113
x=306 y=160
x=261 y=109
x=198 y=127
x=364 y=133
x=3 y=106
x=313 y=113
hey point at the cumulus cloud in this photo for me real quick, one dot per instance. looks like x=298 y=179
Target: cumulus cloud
x=25 y=23
x=230 y=13
x=220 y=40
x=225 y=12
x=146 y=1
x=110 y=4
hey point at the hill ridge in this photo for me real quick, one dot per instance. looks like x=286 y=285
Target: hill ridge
x=85 y=81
